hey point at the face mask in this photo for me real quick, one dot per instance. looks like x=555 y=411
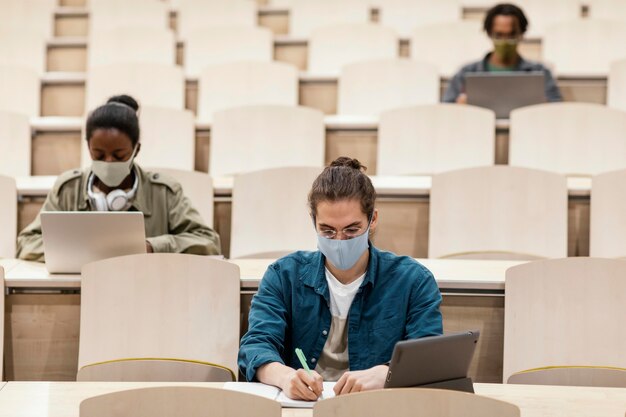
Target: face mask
x=343 y=254
x=505 y=49
x=113 y=173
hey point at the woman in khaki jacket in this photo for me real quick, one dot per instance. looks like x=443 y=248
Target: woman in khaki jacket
x=115 y=183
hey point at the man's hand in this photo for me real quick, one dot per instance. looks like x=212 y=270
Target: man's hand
x=299 y=385
x=149 y=247
x=356 y=381
x=461 y=99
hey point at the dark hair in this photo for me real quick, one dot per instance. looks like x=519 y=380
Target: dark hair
x=119 y=112
x=505 y=9
x=343 y=179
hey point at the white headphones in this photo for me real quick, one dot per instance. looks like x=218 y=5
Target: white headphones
x=116 y=200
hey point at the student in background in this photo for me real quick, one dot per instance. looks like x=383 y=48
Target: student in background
x=115 y=183
x=505 y=24
x=345 y=305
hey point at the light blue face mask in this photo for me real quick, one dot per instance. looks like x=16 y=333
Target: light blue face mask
x=344 y=254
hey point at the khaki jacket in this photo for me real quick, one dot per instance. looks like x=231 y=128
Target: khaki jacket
x=172 y=223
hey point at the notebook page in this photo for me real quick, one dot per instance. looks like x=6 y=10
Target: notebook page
x=289 y=403
x=256 y=388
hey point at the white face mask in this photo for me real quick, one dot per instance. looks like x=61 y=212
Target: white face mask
x=344 y=254
x=113 y=173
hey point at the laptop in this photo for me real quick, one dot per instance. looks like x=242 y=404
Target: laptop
x=72 y=239
x=503 y=92
x=433 y=362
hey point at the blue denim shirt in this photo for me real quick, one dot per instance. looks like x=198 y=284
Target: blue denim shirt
x=398 y=300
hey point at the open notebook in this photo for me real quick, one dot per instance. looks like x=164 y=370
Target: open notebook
x=273 y=393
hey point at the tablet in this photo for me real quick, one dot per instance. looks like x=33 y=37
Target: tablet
x=433 y=362
x=72 y=239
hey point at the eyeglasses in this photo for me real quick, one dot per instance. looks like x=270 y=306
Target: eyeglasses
x=348 y=232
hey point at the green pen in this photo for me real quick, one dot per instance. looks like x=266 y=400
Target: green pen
x=302 y=359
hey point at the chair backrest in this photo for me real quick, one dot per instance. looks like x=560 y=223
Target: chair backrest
x=616 y=89
x=148 y=45
x=449 y=45
x=543 y=14
x=283 y=192
x=15 y=143
x=498 y=212
x=564 y=312
x=569 y=138
x=8 y=217
x=20 y=90
x=586 y=376
x=244 y=84
x=421 y=140
x=606 y=9
x=414 y=402
x=198 y=187
x=198 y=14
x=368 y=88
x=149 y=305
x=179 y=401
x=116 y=14
x=23 y=49
x=2 y=322
x=305 y=16
x=34 y=16
x=251 y=138
x=332 y=47
x=608 y=215
x=151 y=84
x=168 y=139
x=406 y=15
x=221 y=45
x=154 y=370
x=598 y=43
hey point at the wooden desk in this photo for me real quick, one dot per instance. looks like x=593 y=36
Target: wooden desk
x=62 y=399
x=43 y=314
x=403 y=204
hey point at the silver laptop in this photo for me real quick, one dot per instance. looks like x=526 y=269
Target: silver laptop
x=433 y=362
x=72 y=239
x=503 y=92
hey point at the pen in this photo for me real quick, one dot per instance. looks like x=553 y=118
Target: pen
x=302 y=359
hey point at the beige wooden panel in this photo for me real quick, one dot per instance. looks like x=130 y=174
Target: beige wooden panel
x=358 y=144
x=27 y=210
x=321 y=95
x=403 y=226
x=222 y=223
x=502 y=146
x=485 y=313
x=584 y=90
x=608 y=220
x=63 y=99
x=308 y=15
x=202 y=157
x=75 y=3
x=498 y=211
x=277 y=22
x=414 y=403
x=545 y=13
x=182 y=401
x=405 y=15
x=578 y=219
x=576 y=376
x=292 y=53
x=164 y=292
x=191 y=96
x=122 y=45
x=67 y=58
x=8 y=220
x=20 y=91
x=55 y=152
x=551 y=304
x=284 y=192
x=153 y=370
x=71 y=25
x=41 y=337
x=194 y=14
x=15 y=138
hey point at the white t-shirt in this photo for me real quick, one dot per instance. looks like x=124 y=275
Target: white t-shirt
x=333 y=361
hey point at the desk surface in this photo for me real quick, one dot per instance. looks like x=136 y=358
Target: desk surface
x=451 y=274
x=387 y=186
x=62 y=399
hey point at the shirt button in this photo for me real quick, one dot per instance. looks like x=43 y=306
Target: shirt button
x=313 y=360
x=325 y=332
